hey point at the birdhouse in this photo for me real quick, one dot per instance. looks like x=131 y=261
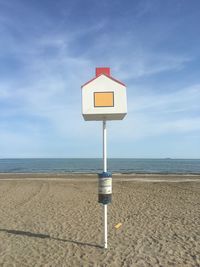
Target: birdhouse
x=104 y=97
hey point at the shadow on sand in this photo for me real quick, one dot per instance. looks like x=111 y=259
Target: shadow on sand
x=38 y=235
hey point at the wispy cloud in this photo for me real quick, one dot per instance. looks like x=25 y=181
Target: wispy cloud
x=152 y=114
x=148 y=64
x=179 y=100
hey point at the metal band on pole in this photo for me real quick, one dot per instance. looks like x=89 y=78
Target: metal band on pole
x=105 y=170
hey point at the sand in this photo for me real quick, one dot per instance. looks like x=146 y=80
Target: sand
x=55 y=220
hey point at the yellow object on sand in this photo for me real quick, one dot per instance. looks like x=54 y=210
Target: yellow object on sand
x=118 y=225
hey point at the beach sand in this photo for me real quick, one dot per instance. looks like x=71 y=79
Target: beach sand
x=55 y=220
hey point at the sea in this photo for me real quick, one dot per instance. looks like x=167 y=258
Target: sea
x=94 y=165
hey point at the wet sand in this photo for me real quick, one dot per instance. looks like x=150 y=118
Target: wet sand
x=55 y=220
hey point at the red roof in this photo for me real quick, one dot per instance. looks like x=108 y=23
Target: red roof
x=115 y=80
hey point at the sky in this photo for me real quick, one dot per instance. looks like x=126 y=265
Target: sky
x=48 y=49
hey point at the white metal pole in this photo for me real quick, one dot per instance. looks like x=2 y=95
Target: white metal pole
x=105 y=170
x=104 y=147
x=105 y=227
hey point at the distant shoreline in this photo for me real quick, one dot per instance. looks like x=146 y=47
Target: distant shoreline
x=94 y=166
x=117 y=177
x=96 y=173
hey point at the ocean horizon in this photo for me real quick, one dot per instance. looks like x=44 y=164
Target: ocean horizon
x=95 y=165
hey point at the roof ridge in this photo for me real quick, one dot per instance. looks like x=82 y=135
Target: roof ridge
x=110 y=77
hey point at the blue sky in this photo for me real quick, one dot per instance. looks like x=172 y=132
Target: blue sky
x=48 y=49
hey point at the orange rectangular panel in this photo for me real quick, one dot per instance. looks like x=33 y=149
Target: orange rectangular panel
x=104 y=99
